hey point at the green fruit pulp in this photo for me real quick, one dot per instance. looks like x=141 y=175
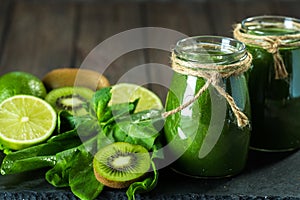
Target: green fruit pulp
x=122 y=162
x=70 y=99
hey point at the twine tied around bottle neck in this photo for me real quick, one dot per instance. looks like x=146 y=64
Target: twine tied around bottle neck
x=212 y=73
x=271 y=43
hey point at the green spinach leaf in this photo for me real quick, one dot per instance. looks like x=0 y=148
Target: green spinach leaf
x=69 y=153
x=82 y=180
x=146 y=185
x=40 y=156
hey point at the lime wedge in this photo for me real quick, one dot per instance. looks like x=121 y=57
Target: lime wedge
x=25 y=121
x=127 y=92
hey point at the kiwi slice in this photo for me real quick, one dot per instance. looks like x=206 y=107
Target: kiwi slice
x=119 y=164
x=70 y=99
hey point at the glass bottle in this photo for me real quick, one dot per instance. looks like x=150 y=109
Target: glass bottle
x=275 y=101
x=204 y=138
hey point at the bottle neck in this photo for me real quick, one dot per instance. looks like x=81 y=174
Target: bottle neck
x=211 y=58
x=271 y=25
x=210 y=50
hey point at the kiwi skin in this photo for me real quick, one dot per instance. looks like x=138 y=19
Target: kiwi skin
x=64 y=77
x=115 y=184
x=56 y=97
x=115 y=178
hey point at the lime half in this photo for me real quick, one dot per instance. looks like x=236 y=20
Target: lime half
x=25 y=120
x=127 y=92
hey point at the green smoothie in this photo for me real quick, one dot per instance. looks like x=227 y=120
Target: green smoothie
x=204 y=136
x=275 y=103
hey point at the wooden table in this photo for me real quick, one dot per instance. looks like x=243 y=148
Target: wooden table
x=38 y=36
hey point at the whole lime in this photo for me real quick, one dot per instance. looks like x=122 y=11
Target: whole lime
x=19 y=82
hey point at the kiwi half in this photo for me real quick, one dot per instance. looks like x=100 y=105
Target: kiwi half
x=119 y=164
x=70 y=99
x=66 y=77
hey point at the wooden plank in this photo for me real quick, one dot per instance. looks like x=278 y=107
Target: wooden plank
x=245 y=9
x=167 y=15
x=287 y=8
x=199 y=19
x=39 y=38
x=225 y=14
x=188 y=18
x=5 y=11
x=99 y=22
x=222 y=14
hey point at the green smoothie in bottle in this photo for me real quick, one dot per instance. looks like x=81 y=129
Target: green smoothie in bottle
x=275 y=101
x=205 y=136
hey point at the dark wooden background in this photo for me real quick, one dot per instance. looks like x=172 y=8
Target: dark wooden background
x=37 y=36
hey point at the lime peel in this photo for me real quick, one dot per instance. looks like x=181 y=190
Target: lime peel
x=18 y=82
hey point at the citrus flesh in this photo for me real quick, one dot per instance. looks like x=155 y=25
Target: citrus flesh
x=127 y=92
x=17 y=82
x=25 y=121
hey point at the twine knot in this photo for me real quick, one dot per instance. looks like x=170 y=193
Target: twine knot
x=212 y=73
x=279 y=66
x=271 y=44
x=215 y=78
x=274 y=46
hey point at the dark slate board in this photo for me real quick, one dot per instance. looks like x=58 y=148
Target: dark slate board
x=266 y=176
